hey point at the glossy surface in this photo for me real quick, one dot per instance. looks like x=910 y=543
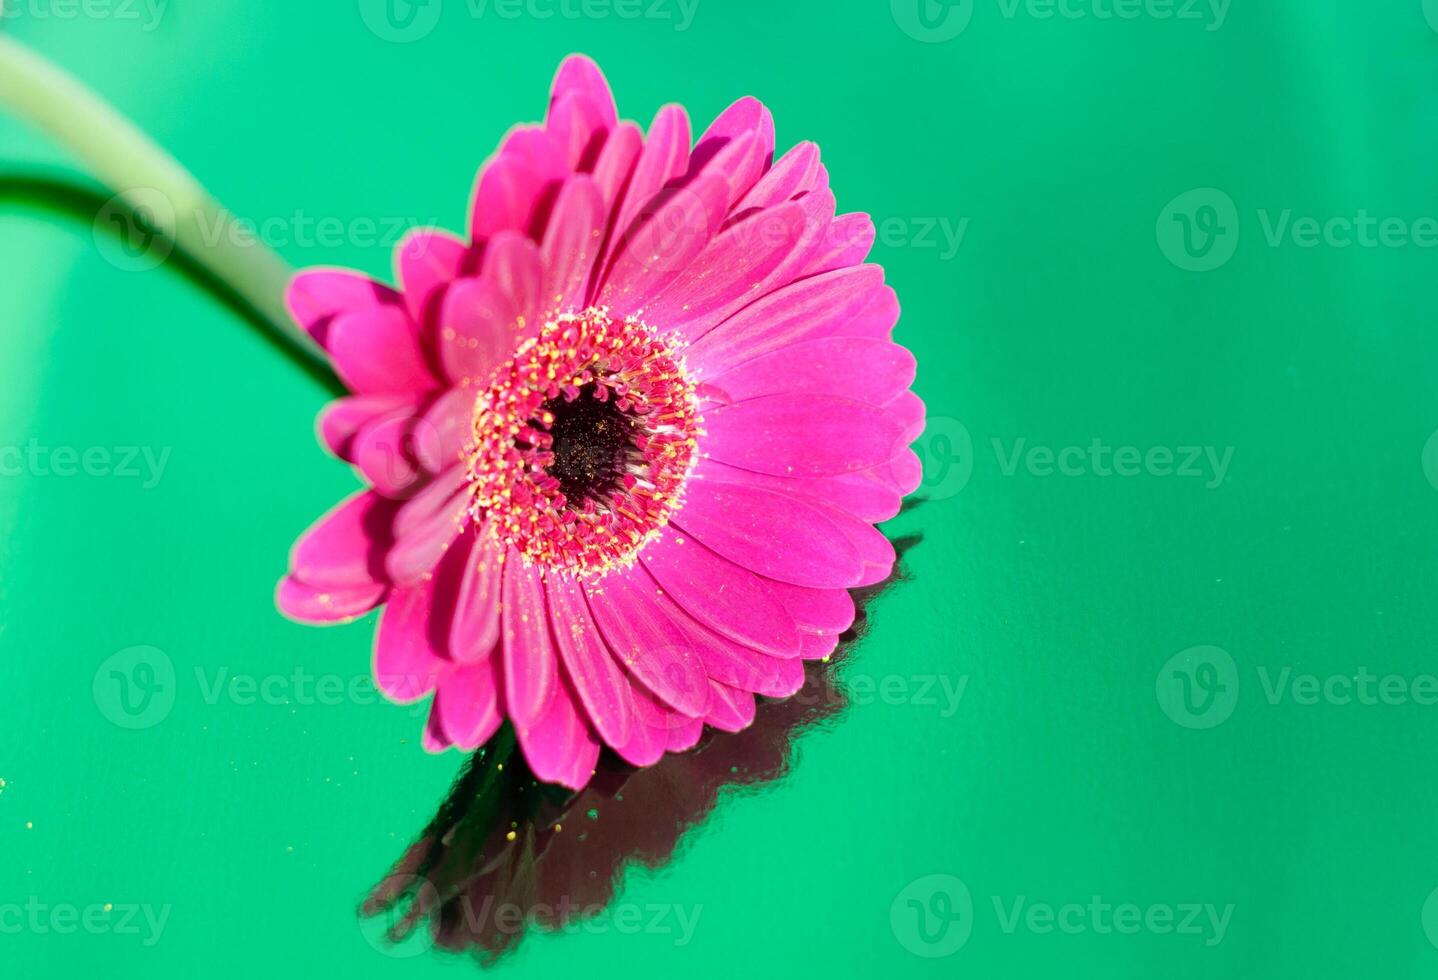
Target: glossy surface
x=1016 y=722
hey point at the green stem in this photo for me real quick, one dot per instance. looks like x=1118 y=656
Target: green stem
x=147 y=180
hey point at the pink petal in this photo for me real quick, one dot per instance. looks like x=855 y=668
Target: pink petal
x=559 y=746
x=504 y=197
x=847 y=241
x=376 y=352
x=649 y=732
x=512 y=264
x=798 y=226
x=684 y=735
x=467 y=703
x=477 y=331
x=344 y=418
x=802 y=435
x=749 y=670
x=793 y=174
x=747 y=117
x=509 y=192
x=730 y=600
x=865 y=493
x=872 y=553
x=425 y=262
x=578 y=125
x=571 y=245
x=778 y=536
x=908 y=412
x=724 y=660
x=445 y=584
x=581 y=111
x=433 y=738
x=735 y=269
x=828 y=611
x=322 y=606
x=443 y=431
x=817 y=646
x=387 y=454
x=406 y=662
x=874 y=550
x=744 y=115
x=875 y=320
x=818 y=209
x=674 y=730
x=531 y=664
x=316 y=296
x=806 y=310
x=422 y=542
x=435 y=497
x=664 y=157
x=597 y=679
x=905 y=471
x=616 y=163
x=869 y=494
x=627 y=608
x=665 y=238
x=344 y=549
x=578 y=74
x=474 y=631
x=735 y=159
x=730 y=710
x=857 y=368
x=886 y=476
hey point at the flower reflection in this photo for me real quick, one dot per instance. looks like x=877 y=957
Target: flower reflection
x=506 y=853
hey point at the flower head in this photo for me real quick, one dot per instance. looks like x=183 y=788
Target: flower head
x=624 y=443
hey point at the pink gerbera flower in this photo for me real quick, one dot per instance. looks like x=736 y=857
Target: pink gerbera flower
x=624 y=445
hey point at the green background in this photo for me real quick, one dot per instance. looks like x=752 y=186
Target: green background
x=1058 y=600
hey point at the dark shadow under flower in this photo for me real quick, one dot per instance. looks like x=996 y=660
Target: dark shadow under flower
x=506 y=853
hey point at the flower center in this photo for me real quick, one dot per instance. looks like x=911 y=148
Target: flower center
x=590 y=442
x=582 y=443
